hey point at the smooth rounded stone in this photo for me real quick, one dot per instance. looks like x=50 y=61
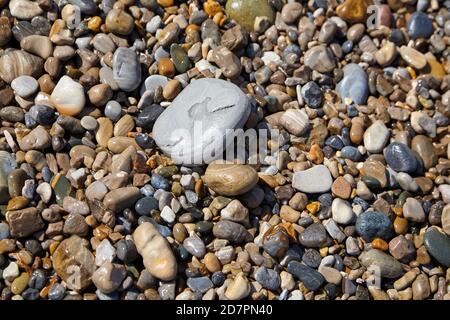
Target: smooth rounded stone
x=147 y=117
x=89 y=123
x=24 y=9
x=42 y=114
x=268 y=278
x=168 y=215
x=103 y=43
x=126 y=69
x=354 y=84
x=16 y=179
x=7 y=165
x=227 y=61
x=153 y=25
x=119 y=199
x=328 y=31
x=400 y=157
x=376 y=137
x=12 y=114
x=126 y=251
x=125 y=125
x=157 y=255
x=314 y=180
x=320 y=58
x=315 y=236
x=244 y=12
x=195 y=246
x=381 y=263
x=312 y=279
x=107 y=77
x=387 y=54
x=180 y=58
x=421 y=287
x=444 y=189
x=342 y=212
x=113 y=110
x=104 y=252
x=231 y=231
x=230 y=179
x=209 y=107
x=109 y=276
x=168 y=35
x=413 y=210
x=373 y=224
x=438 y=246
x=36 y=139
x=295 y=121
x=144 y=206
x=87 y=7
x=38 y=45
x=413 y=57
x=119 y=22
x=24 y=86
x=11 y=272
x=239 y=288
x=5 y=30
x=236 y=212
x=402 y=249
x=56 y=292
x=419 y=26
x=72 y=257
x=68 y=96
x=406 y=182
x=331 y=275
x=312 y=94
x=424 y=148
x=199 y=284
x=16 y=63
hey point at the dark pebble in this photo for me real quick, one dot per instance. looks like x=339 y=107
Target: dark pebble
x=374 y=224
x=126 y=251
x=145 y=205
x=400 y=157
x=312 y=279
x=312 y=258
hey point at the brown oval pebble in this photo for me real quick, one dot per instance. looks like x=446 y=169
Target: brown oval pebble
x=230 y=179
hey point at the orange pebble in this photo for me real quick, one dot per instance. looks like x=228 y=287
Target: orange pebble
x=380 y=244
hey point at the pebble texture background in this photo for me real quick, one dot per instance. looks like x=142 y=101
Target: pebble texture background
x=353 y=205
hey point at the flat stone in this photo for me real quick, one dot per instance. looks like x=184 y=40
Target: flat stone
x=320 y=59
x=24 y=9
x=413 y=211
x=342 y=211
x=24 y=86
x=122 y=198
x=74 y=263
x=314 y=180
x=231 y=231
x=200 y=284
x=24 y=222
x=413 y=57
x=244 y=12
x=268 y=278
x=295 y=121
x=424 y=148
x=381 y=263
x=16 y=63
x=109 y=277
x=312 y=279
x=7 y=165
x=208 y=106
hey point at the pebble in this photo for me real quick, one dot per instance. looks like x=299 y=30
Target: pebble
x=376 y=137
x=342 y=211
x=126 y=69
x=413 y=57
x=239 y=288
x=38 y=45
x=400 y=158
x=72 y=256
x=315 y=236
x=315 y=180
x=24 y=9
x=244 y=12
x=119 y=22
x=230 y=179
x=385 y=265
x=312 y=279
x=222 y=106
x=16 y=63
x=24 y=86
x=104 y=252
x=295 y=121
x=419 y=26
x=354 y=84
x=268 y=278
x=68 y=96
x=413 y=211
x=109 y=277
x=373 y=224
x=155 y=251
x=7 y=165
x=320 y=59
x=438 y=246
x=200 y=284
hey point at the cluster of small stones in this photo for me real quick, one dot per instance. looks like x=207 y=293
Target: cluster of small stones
x=355 y=205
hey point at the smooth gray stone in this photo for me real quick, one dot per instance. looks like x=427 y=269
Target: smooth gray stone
x=382 y=264
x=354 y=84
x=126 y=69
x=193 y=129
x=438 y=245
x=314 y=180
